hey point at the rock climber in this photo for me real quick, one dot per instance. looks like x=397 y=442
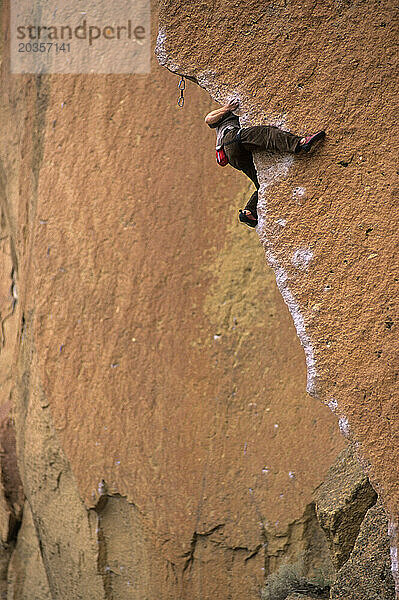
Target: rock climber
x=235 y=145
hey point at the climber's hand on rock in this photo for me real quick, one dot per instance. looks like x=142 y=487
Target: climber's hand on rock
x=232 y=105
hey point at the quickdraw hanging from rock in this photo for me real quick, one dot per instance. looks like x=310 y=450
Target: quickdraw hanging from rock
x=182 y=86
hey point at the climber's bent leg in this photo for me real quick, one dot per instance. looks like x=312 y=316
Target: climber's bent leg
x=252 y=204
x=269 y=138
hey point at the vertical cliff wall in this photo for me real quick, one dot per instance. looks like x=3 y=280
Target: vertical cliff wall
x=328 y=222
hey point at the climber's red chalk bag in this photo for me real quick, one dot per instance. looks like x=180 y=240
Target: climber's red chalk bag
x=221 y=157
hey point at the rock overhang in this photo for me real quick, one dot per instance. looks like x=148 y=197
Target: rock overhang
x=306 y=67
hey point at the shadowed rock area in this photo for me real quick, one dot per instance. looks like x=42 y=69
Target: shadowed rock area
x=342 y=501
x=357 y=565
x=367 y=574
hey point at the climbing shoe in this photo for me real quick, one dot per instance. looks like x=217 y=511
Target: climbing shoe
x=246 y=219
x=310 y=140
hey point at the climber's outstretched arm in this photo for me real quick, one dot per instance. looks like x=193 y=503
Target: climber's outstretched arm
x=214 y=116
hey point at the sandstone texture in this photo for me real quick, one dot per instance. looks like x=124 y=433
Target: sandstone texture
x=342 y=501
x=26 y=574
x=166 y=445
x=328 y=222
x=299 y=597
x=367 y=574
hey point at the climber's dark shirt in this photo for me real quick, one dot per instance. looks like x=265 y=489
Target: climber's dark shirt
x=239 y=143
x=228 y=122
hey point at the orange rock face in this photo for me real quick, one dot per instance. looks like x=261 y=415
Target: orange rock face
x=154 y=358
x=310 y=66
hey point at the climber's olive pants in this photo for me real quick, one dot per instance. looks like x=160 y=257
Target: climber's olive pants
x=240 y=143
